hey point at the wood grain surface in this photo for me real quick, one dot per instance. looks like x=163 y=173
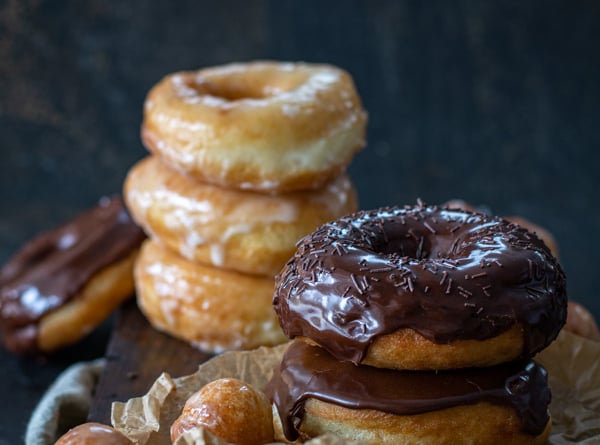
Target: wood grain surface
x=136 y=355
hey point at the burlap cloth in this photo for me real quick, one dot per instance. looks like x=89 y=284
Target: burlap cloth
x=65 y=404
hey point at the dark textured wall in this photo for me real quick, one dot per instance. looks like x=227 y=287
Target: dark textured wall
x=497 y=103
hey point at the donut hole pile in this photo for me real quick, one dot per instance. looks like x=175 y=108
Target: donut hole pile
x=418 y=325
x=246 y=159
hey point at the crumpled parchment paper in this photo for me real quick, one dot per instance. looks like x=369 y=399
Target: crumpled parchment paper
x=573 y=365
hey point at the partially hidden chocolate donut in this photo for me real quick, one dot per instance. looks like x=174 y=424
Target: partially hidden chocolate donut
x=316 y=394
x=66 y=281
x=423 y=287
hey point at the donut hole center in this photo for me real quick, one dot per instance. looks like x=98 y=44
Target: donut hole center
x=416 y=244
x=249 y=85
x=407 y=247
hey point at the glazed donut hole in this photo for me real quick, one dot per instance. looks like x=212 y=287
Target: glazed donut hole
x=231 y=410
x=93 y=433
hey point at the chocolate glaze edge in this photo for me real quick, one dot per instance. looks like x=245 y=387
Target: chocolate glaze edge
x=53 y=267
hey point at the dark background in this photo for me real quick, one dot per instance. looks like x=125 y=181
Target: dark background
x=497 y=103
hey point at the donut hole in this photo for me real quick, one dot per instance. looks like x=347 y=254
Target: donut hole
x=395 y=240
x=236 y=86
x=418 y=249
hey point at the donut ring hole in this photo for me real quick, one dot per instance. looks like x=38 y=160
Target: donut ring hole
x=235 y=85
x=397 y=240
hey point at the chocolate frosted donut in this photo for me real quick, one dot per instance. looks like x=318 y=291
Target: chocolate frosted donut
x=66 y=281
x=314 y=393
x=423 y=288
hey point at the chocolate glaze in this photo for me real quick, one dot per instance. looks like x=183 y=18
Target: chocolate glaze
x=308 y=371
x=447 y=274
x=53 y=267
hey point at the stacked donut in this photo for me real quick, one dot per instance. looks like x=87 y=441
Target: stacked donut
x=246 y=159
x=418 y=325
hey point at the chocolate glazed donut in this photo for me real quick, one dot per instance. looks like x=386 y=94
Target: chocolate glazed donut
x=86 y=260
x=446 y=274
x=307 y=371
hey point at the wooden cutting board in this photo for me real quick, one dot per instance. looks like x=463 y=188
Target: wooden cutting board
x=136 y=355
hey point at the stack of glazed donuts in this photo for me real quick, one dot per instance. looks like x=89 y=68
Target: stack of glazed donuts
x=418 y=325
x=246 y=159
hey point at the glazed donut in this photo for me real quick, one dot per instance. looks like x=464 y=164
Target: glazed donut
x=261 y=126
x=581 y=322
x=237 y=230
x=423 y=288
x=93 y=434
x=315 y=394
x=231 y=410
x=213 y=309
x=66 y=281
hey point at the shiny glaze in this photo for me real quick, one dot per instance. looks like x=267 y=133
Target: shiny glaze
x=264 y=126
x=447 y=274
x=188 y=215
x=54 y=266
x=93 y=434
x=308 y=371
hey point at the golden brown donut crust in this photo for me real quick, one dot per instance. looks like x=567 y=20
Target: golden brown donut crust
x=237 y=230
x=93 y=433
x=263 y=126
x=409 y=350
x=231 y=410
x=105 y=291
x=482 y=423
x=211 y=308
x=581 y=322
